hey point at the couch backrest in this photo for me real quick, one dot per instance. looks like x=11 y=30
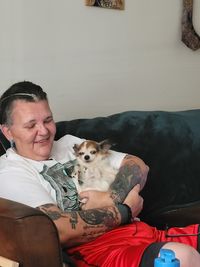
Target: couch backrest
x=169 y=143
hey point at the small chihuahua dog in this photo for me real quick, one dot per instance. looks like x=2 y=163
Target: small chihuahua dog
x=93 y=170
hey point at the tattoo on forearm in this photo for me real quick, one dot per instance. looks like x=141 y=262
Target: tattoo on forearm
x=73 y=219
x=128 y=176
x=50 y=211
x=100 y=216
x=94 y=217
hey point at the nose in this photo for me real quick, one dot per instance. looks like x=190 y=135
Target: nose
x=87 y=157
x=42 y=129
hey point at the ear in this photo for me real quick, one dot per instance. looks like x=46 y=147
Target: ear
x=105 y=145
x=75 y=147
x=6 y=132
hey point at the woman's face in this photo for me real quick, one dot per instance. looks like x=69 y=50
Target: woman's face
x=33 y=129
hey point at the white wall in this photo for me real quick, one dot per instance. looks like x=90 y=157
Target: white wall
x=94 y=61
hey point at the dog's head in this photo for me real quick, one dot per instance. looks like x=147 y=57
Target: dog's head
x=90 y=151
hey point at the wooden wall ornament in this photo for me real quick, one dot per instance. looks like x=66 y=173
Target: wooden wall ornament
x=189 y=36
x=115 y=4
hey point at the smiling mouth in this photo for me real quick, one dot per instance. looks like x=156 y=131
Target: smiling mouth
x=43 y=141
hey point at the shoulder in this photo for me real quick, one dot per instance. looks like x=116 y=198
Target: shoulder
x=116 y=158
x=68 y=139
x=11 y=162
x=63 y=148
x=20 y=180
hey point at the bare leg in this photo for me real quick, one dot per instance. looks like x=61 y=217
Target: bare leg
x=188 y=256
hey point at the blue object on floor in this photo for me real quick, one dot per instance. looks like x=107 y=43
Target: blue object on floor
x=166 y=259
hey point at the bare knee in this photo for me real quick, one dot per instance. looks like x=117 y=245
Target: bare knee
x=188 y=256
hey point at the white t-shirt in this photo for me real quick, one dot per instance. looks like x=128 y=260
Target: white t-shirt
x=20 y=178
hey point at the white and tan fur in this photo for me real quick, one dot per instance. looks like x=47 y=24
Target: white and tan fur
x=93 y=170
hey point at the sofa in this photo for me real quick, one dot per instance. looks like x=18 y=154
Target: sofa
x=168 y=142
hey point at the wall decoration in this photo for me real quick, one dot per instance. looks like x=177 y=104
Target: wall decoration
x=116 y=4
x=189 y=35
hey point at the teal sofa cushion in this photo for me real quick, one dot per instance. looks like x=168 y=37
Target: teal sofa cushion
x=168 y=142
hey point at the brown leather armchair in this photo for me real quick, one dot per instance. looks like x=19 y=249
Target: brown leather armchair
x=28 y=236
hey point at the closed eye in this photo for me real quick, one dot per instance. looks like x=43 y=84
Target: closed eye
x=93 y=152
x=32 y=123
x=48 y=119
x=30 y=126
x=81 y=153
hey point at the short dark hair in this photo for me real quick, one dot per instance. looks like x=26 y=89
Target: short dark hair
x=26 y=91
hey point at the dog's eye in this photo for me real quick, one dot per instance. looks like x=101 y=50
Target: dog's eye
x=93 y=152
x=81 y=153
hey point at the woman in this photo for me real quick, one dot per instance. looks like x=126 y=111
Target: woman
x=33 y=172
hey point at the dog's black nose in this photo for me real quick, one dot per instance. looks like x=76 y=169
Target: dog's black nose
x=87 y=157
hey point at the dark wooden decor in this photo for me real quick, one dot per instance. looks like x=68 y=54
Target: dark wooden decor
x=115 y=4
x=189 y=36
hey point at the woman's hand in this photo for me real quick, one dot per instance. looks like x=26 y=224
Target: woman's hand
x=92 y=199
x=134 y=201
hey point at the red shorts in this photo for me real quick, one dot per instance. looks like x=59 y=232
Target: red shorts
x=124 y=246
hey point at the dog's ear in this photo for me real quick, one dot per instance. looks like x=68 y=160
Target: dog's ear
x=75 y=147
x=106 y=144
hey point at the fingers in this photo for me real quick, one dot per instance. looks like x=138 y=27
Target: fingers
x=84 y=194
x=137 y=188
x=134 y=201
x=83 y=199
x=83 y=206
x=93 y=199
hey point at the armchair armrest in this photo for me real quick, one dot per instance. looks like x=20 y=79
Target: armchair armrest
x=4 y=262
x=28 y=236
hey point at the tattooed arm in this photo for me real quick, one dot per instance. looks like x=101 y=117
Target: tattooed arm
x=82 y=226
x=132 y=171
x=78 y=227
